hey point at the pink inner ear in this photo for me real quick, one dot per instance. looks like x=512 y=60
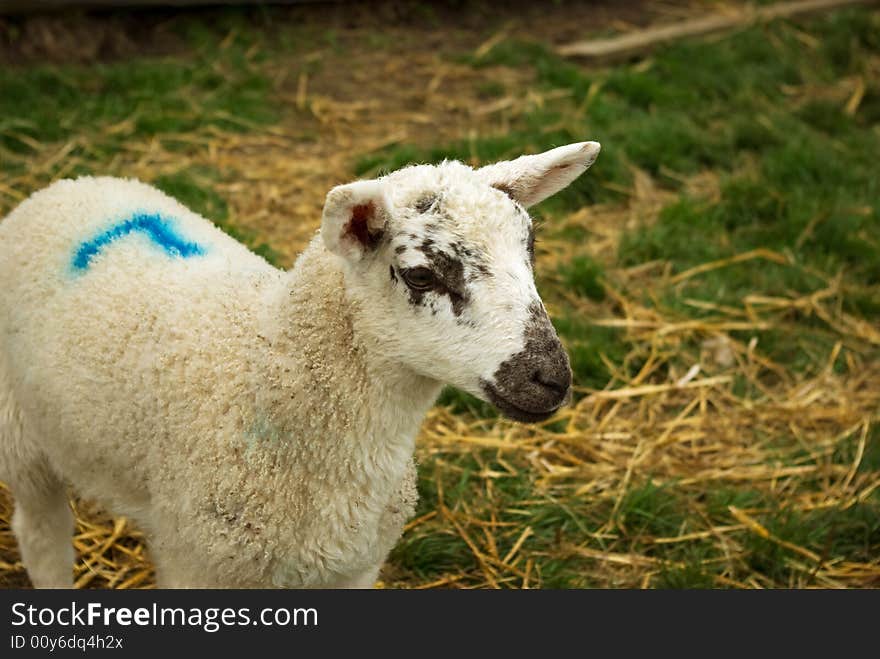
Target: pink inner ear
x=358 y=226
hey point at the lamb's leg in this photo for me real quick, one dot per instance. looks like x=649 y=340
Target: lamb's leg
x=43 y=525
x=364 y=580
x=400 y=508
x=42 y=521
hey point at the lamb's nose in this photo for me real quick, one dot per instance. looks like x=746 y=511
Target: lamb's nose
x=556 y=379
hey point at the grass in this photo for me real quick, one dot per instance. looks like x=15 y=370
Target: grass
x=730 y=225
x=102 y=109
x=148 y=97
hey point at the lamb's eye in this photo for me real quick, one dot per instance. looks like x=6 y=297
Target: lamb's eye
x=420 y=279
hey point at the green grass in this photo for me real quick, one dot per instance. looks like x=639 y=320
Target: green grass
x=587 y=345
x=108 y=106
x=430 y=555
x=156 y=96
x=853 y=532
x=583 y=276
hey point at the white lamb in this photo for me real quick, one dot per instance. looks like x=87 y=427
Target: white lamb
x=257 y=424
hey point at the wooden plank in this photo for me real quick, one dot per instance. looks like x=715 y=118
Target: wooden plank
x=640 y=41
x=35 y=6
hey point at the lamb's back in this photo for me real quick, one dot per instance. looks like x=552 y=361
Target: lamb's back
x=79 y=227
x=119 y=308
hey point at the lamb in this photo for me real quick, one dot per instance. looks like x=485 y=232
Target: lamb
x=257 y=424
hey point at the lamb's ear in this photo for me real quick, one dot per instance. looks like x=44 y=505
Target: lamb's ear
x=354 y=218
x=530 y=179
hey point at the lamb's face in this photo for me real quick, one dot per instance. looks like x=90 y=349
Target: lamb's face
x=441 y=260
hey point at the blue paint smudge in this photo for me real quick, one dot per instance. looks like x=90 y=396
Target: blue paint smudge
x=260 y=433
x=157 y=228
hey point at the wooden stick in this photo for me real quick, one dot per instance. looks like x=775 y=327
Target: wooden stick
x=35 y=6
x=642 y=40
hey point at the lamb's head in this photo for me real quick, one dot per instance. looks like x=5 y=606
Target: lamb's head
x=440 y=261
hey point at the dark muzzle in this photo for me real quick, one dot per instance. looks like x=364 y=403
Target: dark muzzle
x=535 y=382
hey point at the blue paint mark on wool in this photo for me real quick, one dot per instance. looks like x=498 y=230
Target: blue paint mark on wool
x=157 y=228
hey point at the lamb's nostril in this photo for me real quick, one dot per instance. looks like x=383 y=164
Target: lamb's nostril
x=556 y=382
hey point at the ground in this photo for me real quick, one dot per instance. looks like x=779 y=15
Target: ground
x=714 y=276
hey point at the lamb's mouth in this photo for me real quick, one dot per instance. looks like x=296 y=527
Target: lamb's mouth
x=514 y=411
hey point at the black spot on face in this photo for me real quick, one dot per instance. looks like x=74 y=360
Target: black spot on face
x=479 y=270
x=462 y=251
x=425 y=203
x=449 y=278
x=532 y=384
x=393 y=275
x=400 y=249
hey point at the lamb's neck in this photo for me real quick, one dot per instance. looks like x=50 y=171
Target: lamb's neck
x=330 y=382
